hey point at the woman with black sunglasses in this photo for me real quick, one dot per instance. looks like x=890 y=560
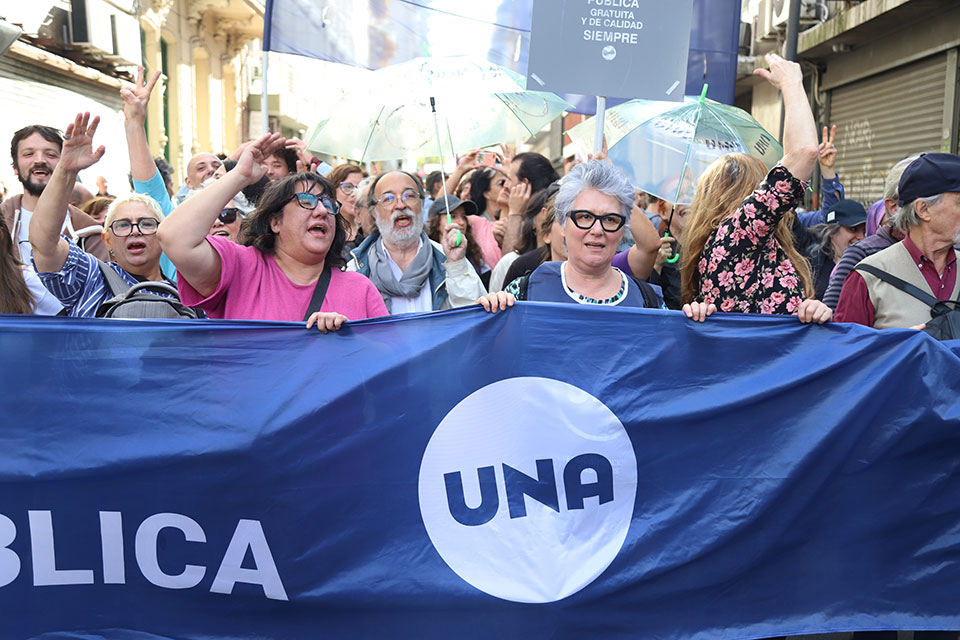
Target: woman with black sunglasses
x=288 y=264
x=592 y=206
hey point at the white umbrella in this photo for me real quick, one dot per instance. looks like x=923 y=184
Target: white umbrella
x=477 y=104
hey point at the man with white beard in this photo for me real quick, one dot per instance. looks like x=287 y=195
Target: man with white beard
x=929 y=212
x=412 y=272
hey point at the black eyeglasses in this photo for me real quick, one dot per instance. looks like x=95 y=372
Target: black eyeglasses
x=229 y=215
x=311 y=200
x=145 y=226
x=609 y=222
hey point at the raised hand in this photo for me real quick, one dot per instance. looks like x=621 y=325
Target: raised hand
x=507 y=151
x=78 y=153
x=135 y=100
x=519 y=197
x=304 y=156
x=828 y=150
x=251 y=163
x=782 y=73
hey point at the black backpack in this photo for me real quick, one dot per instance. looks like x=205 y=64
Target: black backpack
x=944 y=323
x=137 y=302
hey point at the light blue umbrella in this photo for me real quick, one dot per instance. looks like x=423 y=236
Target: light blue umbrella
x=664 y=147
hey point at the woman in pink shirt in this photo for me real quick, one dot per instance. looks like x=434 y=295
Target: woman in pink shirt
x=289 y=248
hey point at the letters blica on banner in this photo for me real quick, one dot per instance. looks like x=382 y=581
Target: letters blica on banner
x=247 y=538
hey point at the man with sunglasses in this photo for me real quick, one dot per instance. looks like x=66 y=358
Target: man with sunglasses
x=412 y=272
x=72 y=275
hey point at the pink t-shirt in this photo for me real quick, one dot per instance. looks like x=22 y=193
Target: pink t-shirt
x=483 y=233
x=254 y=287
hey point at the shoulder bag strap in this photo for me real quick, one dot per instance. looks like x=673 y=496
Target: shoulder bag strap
x=649 y=295
x=319 y=293
x=115 y=284
x=903 y=285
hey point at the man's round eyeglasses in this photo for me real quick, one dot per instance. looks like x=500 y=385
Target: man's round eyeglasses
x=145 y=227
x=311 y=200
x=409 y=197
x=609 y=222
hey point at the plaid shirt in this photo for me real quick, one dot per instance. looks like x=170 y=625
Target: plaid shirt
x=79 y=285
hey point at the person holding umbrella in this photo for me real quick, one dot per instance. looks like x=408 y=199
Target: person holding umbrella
x=738 y=248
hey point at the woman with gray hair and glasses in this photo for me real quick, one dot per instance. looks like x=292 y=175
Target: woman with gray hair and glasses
x=592 y=206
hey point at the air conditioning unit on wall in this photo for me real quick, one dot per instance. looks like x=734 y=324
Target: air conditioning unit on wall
x=780 y=13
x=102 y=29
x=764 y=26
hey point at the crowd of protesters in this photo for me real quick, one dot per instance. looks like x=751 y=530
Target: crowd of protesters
x=262 y=235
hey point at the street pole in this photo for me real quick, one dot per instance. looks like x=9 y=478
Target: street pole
x=790 y=50
x=264 y=98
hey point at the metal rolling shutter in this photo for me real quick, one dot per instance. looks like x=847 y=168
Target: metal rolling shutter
x=884 y=118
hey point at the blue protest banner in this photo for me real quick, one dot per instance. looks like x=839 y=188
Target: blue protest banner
x=551 y=471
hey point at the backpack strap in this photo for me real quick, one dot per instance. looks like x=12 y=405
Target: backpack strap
x=650 y=300
x=319 y=293
x=116 y=285
x=523 y=282
x=903 y=285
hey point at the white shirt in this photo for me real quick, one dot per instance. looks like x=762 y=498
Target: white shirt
x=420 y=304
x=46 y=303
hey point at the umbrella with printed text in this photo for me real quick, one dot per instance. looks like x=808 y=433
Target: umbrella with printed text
x=664 y=147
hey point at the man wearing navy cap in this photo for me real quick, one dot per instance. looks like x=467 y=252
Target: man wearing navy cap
x=930 y=211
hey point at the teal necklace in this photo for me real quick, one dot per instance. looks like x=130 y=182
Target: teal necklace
x=582 y=299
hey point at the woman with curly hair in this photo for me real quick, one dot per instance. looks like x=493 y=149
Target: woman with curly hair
x=738 y=247
x=290 y=248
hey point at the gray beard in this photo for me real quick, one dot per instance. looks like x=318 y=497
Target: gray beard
x=400 y=237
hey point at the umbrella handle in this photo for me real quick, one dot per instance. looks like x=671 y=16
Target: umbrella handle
x=450 y=222
x=676 y=256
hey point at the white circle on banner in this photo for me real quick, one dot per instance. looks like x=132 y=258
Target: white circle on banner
x=527 y=489
x=609 y=52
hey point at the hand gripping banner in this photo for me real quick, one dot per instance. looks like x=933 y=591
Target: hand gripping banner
x=551 y=471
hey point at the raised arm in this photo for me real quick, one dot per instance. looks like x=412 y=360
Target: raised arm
x=467 y=164
x=800 y=144
x=183 y=233
x=50 y=249
x=135 y=101
x=643 y=254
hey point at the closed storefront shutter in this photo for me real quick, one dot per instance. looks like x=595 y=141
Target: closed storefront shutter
x=32 y=94
x=884 y=118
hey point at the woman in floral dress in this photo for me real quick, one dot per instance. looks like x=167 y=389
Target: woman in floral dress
x=741 y=253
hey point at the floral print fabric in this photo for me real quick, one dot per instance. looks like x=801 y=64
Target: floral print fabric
x=743 y=267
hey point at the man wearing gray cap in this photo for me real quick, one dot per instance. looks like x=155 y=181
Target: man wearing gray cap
x=926 y=259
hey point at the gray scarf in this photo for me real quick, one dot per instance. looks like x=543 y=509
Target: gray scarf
x=412 y=280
